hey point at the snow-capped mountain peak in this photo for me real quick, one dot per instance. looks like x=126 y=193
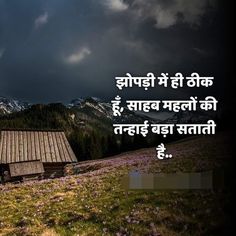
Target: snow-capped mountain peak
x=75 y=102
x=8 y=106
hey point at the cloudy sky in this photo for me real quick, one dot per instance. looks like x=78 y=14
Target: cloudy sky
x=57 y=50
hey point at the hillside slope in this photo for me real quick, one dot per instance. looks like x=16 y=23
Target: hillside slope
x=94 y=202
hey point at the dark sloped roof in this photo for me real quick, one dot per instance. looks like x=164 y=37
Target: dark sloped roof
x=46 y=146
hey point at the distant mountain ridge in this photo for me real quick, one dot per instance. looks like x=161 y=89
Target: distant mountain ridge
x=99 y=109
x=8 y=105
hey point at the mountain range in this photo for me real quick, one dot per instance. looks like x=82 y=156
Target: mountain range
x=8 y=105
x=100 y=109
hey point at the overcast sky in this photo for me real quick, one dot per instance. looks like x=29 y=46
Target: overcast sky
x=57 y=50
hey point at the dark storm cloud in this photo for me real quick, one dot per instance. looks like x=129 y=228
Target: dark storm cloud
x=55 y=50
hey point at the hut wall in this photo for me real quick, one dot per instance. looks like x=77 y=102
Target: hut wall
x=8 y=178
x=53 y=170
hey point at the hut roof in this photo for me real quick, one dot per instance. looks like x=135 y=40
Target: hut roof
x=29 y=145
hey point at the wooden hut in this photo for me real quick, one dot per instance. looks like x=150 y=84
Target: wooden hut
x=27 y=154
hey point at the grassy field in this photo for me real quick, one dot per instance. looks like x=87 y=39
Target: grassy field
x=95 y=202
